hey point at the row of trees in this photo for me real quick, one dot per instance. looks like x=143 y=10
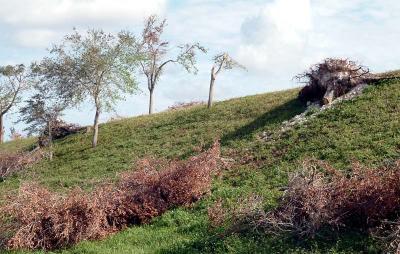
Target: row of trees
x=96 y=66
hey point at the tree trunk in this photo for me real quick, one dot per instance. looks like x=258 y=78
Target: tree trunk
x=50 y=137
x=151 y=101
x=96 y=128
x=211 y=92
x=329 y=96
x=1 y=129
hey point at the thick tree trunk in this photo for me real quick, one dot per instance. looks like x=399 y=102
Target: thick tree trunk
x=151 y=102
x=329 y=96
x=96 y=128
x=1 y=129
x=211 y=92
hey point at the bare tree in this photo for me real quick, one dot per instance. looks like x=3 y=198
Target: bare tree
x=95 y=66
x=222 y=61
x=13 y=81
x=153 y=53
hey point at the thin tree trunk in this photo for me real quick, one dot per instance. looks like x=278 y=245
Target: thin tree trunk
x=1 y=129
x=50 y=137
x=211 y=92
x=151 y=101
x=96 y=128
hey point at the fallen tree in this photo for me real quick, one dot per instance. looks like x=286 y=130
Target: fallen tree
x=330 y=79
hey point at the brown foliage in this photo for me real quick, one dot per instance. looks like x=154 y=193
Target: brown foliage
x=11 y=163
x=332 y=77
x=322 y=197
x=44 y=220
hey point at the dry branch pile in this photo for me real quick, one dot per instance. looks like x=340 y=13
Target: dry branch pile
x=321 y=197
x=11 y=163
x=331 y=79
x=44 y=220
x=59 y=130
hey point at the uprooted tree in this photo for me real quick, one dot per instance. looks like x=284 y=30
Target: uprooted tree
x=92 y=66
x=153 y=51
x=13 y=81
x=330 y=79
x=222 y=61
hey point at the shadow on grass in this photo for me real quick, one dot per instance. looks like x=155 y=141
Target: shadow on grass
x=345 y=242
x=269 y=119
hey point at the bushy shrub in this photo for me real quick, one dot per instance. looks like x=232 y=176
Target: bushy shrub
x=45 y=220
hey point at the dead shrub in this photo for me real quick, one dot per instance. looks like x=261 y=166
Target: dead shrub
x=330 y=79
x=45 y=220
x=323 y=196
x=11 y=163
x=320 y=196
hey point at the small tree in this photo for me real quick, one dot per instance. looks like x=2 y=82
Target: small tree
x=43 y=110
x=95 y=66
x=153 y=54
x=222 y=61
x=13 y=81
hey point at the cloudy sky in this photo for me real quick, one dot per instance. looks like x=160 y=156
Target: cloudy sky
x=274 y=39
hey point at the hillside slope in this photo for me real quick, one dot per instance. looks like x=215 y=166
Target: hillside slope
x=366 y=129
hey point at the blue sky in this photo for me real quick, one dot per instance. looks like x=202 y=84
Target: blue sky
x=274 y=39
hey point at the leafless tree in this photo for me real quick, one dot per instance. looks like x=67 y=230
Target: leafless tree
x=222 y=61
x=13 y=81
x=154 y=54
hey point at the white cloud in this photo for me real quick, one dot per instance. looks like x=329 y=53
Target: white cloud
x=39 y=38
x=56 y=12
x=277 y=36
x=43 y=20
x=288 y=35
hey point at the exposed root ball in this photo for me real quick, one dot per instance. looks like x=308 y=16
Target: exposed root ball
x=330 y=79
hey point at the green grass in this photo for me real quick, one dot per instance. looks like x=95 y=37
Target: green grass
x=366 y=129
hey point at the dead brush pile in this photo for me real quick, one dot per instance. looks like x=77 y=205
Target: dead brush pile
x=40 y=219
x=321 y=197
x=11 y=163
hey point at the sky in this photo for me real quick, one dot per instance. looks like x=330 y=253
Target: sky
x=274 y=39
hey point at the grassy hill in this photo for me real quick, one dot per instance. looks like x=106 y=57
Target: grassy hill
x=366 y=129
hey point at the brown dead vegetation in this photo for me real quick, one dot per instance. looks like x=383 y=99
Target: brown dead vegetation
x=11 y=163
x=41 y=219
x=322 y=197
